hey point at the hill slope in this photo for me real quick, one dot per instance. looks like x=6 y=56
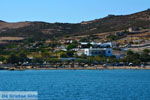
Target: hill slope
x=40 y=30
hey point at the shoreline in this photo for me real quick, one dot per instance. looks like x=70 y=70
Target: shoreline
x=81 y=68
x=90 y=68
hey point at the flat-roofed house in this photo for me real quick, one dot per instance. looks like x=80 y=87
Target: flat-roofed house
x=96 y=51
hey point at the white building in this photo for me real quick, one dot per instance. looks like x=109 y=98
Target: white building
x=94 y=44
x=108 y=44
x=96 y=51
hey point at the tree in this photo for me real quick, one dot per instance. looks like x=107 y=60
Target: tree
x=71 y=46
x=89 y=45
x=146 y=51
x=2 y=58
x=37 y=60
x=145 y=57
x=45 y=55
x=63 y=55
x=112 y=37
x=53 y=44
x=22 y=57
x=67 y=54
x=85 y=39
x=129 y=53
x=133 y=58
x=13 y=59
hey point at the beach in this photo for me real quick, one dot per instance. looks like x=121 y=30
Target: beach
x=78 y=68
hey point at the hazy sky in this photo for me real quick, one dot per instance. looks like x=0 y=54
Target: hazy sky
x=67 y=10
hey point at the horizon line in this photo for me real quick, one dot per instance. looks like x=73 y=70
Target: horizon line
x=73 y=22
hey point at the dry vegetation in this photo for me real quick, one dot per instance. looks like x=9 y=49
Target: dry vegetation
x=10 y=38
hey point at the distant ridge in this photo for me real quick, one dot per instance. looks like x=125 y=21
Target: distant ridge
x=40 y=30
x=1 y=21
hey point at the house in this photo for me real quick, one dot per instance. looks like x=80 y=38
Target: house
x=133 y=29
x=83 y=45
x=80 y=52
x=63 y=48
x=95 y=45
x=95 y=51
x=105 y=45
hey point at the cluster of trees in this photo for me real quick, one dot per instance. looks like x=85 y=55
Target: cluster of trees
x=67 y=54
x=17 y=59
x=118 y=35
x=74 y=44
x=2 y=59
x=112 y=37
x=137 y=58
x=17 y=54
x=131 y=57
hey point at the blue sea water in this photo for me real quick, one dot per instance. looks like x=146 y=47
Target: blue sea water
x=80 y=84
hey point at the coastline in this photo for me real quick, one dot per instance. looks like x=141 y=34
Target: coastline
x=91 y=68
x=81 y=68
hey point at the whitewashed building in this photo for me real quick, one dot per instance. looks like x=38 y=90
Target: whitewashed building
x=96 y=51
x=98 y=45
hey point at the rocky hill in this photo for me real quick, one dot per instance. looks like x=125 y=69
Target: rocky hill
x=43 y=30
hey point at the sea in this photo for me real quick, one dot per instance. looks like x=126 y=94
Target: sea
x=117 y=84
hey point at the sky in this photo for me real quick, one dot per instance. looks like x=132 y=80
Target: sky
x=67 y=11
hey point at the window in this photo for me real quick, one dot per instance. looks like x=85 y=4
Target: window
x=109 y=51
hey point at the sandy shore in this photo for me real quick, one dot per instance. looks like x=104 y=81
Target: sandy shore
x=86 y=68
x=92 y=68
